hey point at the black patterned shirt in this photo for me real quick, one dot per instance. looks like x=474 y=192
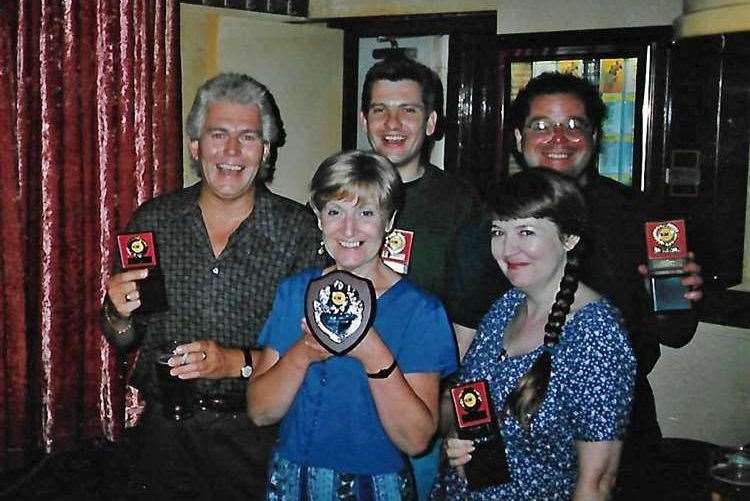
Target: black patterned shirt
x=225 y=298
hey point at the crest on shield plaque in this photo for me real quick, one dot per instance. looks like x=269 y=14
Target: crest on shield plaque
x=339 y=308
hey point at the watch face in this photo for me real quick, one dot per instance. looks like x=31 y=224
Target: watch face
x=247 y=371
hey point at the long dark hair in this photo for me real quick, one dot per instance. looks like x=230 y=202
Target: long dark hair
x=544 y=194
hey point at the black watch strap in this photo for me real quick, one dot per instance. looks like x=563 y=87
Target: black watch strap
x=383 y=373
x=247 y=369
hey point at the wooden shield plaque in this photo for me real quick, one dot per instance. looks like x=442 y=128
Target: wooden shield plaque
x=340 y=308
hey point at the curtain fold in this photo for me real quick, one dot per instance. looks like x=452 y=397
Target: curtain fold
x=13 y=369
x=89 y=94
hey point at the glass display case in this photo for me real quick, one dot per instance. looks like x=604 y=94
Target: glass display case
x=626 y=65
x=616 y=79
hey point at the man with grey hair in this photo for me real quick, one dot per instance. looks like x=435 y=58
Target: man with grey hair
x=224 y=244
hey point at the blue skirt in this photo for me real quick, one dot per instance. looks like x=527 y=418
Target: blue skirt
x=289 y=481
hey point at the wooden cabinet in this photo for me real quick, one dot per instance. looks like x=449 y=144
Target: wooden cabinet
x=708 y=122
x=708 y=111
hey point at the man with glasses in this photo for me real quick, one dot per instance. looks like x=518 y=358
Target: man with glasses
x=557 y=123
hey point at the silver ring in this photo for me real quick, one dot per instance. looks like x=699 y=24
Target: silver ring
x=204 y=356
x=184 y=360
x=127 y=297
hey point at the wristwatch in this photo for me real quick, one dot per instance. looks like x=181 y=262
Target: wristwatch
x=247 y=369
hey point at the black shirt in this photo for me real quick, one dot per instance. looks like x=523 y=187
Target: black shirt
x=435 y=206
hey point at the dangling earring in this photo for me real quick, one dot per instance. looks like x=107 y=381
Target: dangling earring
x=322 y=248
x=391 y=223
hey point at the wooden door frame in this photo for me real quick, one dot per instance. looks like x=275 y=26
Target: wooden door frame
x=475 y=23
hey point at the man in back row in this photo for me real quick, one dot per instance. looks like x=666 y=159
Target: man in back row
x=402 y=115
x=557 y=122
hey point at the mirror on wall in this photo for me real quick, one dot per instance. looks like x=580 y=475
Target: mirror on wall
x=432 y=51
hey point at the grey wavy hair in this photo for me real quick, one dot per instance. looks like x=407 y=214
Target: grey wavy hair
x=241 y=89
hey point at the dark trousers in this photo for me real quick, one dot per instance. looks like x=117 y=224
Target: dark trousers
x=640 y=461
x=211 y=455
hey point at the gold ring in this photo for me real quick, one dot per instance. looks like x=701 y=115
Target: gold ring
x=204 y=355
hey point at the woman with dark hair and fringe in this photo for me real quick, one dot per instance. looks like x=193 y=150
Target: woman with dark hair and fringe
x=558 y=363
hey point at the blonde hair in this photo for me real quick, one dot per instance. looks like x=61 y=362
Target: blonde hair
x=362 y=175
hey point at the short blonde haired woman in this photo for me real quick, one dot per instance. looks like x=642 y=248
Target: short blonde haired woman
x=348 y=422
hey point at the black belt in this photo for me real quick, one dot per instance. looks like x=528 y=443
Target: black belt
x=221 y=403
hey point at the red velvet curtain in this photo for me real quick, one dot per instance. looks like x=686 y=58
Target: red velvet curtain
x=90 y=128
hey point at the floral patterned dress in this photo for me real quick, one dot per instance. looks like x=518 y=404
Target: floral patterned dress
x=588 y=399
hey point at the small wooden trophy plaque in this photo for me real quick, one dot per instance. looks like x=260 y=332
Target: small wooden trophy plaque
x=667 y=254
x=475 y=421
x=138 y=250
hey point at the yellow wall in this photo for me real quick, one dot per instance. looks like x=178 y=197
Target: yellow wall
x=302 y=65
x=199 y=30
x=696 y=5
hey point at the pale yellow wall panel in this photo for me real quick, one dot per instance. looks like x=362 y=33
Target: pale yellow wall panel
x=199 y=33
x=713 y=21
x=543 y=15
x=696 y=5
x=302 y=65
x=355 y=8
